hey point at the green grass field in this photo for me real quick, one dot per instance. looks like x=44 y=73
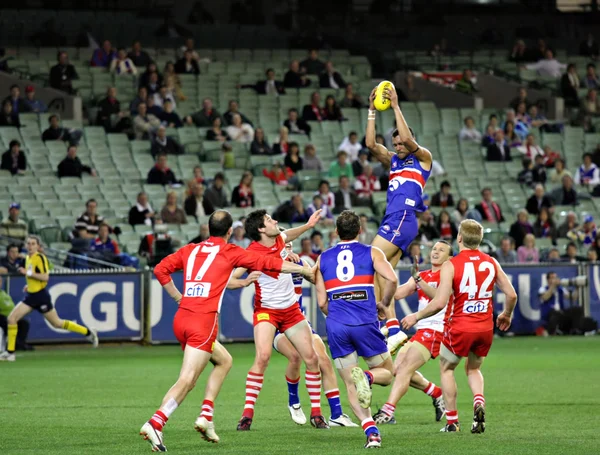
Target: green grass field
x=542 y=397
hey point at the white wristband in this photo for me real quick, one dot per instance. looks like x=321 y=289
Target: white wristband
x=371 y=112
x=29 y=272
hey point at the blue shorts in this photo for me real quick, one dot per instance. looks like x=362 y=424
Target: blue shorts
x=400 y=228
x=366 y=340
x=39 y=301
x=277 y=333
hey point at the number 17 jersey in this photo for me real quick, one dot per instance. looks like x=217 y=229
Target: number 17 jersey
x=348 y=272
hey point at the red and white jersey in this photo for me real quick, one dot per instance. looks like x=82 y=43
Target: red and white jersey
x=474 y=278
x=435 y=322
x=207 y=268
x=274 y=290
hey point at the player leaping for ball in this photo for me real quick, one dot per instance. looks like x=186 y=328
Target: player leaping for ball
x=425 y=344
x=410 y=166
x=276 y=308
x=469 y=277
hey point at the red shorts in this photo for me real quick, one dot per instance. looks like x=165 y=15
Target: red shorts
x=461 y=343
x=429 y=338
x=196 y=330
x=281 y=319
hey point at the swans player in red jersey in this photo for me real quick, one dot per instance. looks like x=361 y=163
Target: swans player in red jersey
x=425 y=344
x=207 y=267
x=276 y=307
x=469 y=277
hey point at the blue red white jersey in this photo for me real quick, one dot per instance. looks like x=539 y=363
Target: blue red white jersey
x=406 y=185
x=298 y=279
x=348 y=272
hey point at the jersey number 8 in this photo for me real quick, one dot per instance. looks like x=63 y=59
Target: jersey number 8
x=345 y=267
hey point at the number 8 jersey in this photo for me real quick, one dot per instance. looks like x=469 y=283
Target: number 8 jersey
x=348 y=271
x=472 y=308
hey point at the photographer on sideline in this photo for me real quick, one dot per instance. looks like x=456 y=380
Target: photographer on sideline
x=556 y=317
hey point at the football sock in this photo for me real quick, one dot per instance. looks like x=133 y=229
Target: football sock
x=432 y=390
x=451 y=417
x=388 y=409
x=158 y=420
x=207 y=410
x=333 y=397
x=369 y=427
x=369 y=376
x=11 y=337
x=254 y=382
x=478 y=400
x=293 y=384
x=393 y=326
x=313 y=385
x=74 y=327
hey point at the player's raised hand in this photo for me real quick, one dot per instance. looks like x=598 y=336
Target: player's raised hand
x=293 y=257
x=372 y=99
x=409 y=321
x=414 y=270
x=314 y=218
x=390 y=94
x=503 y=321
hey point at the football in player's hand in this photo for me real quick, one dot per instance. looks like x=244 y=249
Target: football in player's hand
x=380 y=102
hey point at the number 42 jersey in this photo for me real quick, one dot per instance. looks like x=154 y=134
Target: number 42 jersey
x=348 y=272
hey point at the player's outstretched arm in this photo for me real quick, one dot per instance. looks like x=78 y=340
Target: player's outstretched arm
x=385 y=269
x=504 y=319
x=406 y=289
x=322 y=299
x=253 y=261
x=382 y=154
x=237 y=281
x=294 y=233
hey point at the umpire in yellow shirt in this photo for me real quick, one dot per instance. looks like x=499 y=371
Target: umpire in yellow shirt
x=37 y=298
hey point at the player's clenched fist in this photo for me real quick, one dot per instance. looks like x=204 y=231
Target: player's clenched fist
x=503 y=321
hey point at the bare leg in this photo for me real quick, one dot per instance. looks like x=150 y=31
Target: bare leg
x=221 y=359
x=327 y=371
x=263 y=340
x=361 y=413
x=390 y=250
x=383 y=373
x=412 y=361
x=473 y=370
x=285 y=348
x=194 y=362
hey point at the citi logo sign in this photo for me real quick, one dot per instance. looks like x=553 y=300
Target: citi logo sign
x=197 y=289
x=475 y=306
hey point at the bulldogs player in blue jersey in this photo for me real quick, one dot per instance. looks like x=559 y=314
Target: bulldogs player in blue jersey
x=410 y=167
x=345 y=294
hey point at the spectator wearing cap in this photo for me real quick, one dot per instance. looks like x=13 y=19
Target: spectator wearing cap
x=63 y=74
x=103 y=56
x=141 y=212
x=19 y=105
x=14 y=159
x=164 y=145
x=443 y=198
x=55 y=132
x=330 y=78
x=197 y=205
x=216 y=193
x=239 y=235
x=8 y=117
x=35 y=105
x=72 y=166
x=12 y=261
x=586 y=233
x=312 y=64
x=88 y=223
x=13 y=227
x=122 y=65
x=144 y=123
x=341 y=166
x=160 y=174
x=138 y=56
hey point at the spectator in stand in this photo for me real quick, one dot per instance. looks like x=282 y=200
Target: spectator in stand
x=197 y=179
x=325 y=192
x=151 y=79
x=259 y=145
x=293 y=160
x=330 y=78
x=19 y=105
x=506 y=254
x=427 y=228
x=443 y=198
x=569 y=84
x=232 y=110
x=465 y=84
x=141 y=212
x=109 y=107
x=365 y=185
x=538 y=201
x=279 y=175
x=534 y=119
x=571 y=256
x=171 y=213
x=144 y=124
x=140 y=98
x=548 y=66
x=520 y=98
x=528 y=253
x=14 y=160
x=510 y=135
x=103 y=56
x=327 y=218
x=243 y=194
x=204 y=234
x=8 y=117
x=589 y=47
x=169 y=117
x=240 y=132
x=187 y=64
x=71 y=165
x=311 y=161
x=345 y=197
x=351 y=99
x=197 y=205
x=173 y=83
x=160 y=174
x=332 y=111
x=365 y=237
x=292 y=211
x=530 y=149
x=591 y=104
x=559 y=171
x=122 y=65
x=189 y=46
x=341 y=166
x=469 y=133
x=313 y=111
x=282 y=145
x=493 y=122
x=499 y=150
x=216 y=133
x=294 y=78
x=519 y=53
x=55 y=132
x=165 y=145
x=446 y=227
x=591 y=79
x=351 y=146
x=151 y=108
x=544 y=226
x=520 y=228
x=205 y=116
x=63 y=74
x=296 y=125
x=12 y=262
x=88 y=223
x=521 y=114
x=162 y=96
x=520 y=127
x=488 y=137
x=414 y=254
x=588 y=173
x=489 y=210
x=306 y=252
x=239 y=235
x=358 y=166
x=312 y=64
x=269 y=86
x=461 y=212
x=105 y=245
x=216 y=193
x=33 y=104
x=586 y=233
x=12 y=226
x=138 y=56
x=525 y=177
x=565 y=194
